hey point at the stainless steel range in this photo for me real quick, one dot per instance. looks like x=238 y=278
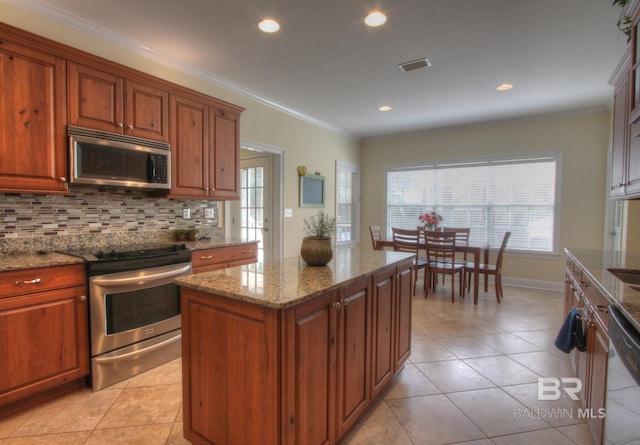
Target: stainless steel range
x=134 y=309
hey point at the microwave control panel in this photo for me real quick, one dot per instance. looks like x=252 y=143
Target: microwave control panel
x=158 y=169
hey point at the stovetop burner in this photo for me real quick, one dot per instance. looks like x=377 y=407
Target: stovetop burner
x=113 y=259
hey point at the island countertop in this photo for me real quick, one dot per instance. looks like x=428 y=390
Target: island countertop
x=596 y=264
x=286 y=282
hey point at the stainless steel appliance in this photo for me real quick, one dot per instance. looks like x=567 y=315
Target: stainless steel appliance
x=134 y=309
x=101 y=158
x=622 y=421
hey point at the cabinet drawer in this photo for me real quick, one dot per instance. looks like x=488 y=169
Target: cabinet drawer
x=206 y=257
x=27 y=281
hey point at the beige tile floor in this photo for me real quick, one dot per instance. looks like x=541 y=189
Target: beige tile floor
x=471 y=379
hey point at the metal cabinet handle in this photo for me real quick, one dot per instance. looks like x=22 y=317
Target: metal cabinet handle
x=120 y=125
x=83 y=298
x=247 y=251
x=130 y=127
x=34 y=281
x=63 y=179
x=206 y=257
x=602 y=308
x=336 y=305
x=345 y=302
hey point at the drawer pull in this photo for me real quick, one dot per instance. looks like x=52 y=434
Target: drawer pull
x=206 y=257
x=34 y=281
x=247 y=251
x=603 y=309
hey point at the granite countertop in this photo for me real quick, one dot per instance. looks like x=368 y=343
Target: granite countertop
x=283 y=283
x=21 y=261
x=624 y=296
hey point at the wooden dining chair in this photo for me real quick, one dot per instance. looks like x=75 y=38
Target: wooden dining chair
x=407 y=240
x=376 y=235
x=462 y=237
x=490 y=269
x=441 y=258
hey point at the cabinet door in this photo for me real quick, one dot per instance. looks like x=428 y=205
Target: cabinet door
x=224 y=165
x=403 y=317
x=620 y=142
x=353 y=364
x=598 y=350
x=633 y=166
x=189 y=148
x=147 y=111
x=382 y=325
x=309 y=372
x=43 y=341
x=33 y=144
x=96 y=99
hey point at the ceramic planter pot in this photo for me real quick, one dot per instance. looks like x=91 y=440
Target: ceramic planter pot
x=316 y=250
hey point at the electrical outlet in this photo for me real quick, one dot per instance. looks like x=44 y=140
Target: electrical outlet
x=186 y=213
x=288 y=213
x=511 y=265
x=208 y=213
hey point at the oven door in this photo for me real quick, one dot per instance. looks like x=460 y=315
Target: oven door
x=129 y=307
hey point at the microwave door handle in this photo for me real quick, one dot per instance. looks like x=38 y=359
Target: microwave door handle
x=152 y=168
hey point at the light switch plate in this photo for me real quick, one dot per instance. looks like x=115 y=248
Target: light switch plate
x=186 y=213
x=208 y=213
x=288 y=213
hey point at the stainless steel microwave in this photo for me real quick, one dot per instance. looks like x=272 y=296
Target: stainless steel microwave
x=101 y=158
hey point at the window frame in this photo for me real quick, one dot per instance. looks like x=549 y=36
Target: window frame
x=522 y=158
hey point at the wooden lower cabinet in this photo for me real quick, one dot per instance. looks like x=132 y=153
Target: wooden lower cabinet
x=591 y=364
x=205 y=260
x=301 y=375
x=44 y=341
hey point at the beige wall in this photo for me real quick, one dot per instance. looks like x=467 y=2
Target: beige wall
x=582 y=141
x=303 y=143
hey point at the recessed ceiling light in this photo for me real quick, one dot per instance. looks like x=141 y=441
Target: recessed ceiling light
x=375 y=18
x=385 y=108
x=504 y=87
x=269 y=25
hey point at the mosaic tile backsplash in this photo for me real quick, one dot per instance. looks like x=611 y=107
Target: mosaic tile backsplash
x=93 y=216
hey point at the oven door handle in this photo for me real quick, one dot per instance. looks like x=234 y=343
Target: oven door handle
x=106 y=281
x=135 y=354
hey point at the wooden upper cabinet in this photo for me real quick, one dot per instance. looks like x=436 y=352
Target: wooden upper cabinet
x=33 y=154
x=620 y=143
x=101 y=100
x=225 y=155
x=189 y=148
x=205 y=148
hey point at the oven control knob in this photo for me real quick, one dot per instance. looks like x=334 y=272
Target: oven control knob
x=113 y=254
x=100 y=255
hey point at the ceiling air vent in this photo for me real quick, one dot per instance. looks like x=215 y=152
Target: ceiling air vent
x=415 y=64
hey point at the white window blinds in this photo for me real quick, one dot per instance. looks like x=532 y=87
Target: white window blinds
x=491 y=197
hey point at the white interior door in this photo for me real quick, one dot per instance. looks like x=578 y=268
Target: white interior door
x=251 y=216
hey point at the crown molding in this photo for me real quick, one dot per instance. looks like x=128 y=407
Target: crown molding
x=94 y=30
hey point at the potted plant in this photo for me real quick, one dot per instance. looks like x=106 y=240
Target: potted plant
x=180 y=234
x=316 y=247
x=192 y=234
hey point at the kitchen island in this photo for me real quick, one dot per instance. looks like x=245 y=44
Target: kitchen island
x=282 y=353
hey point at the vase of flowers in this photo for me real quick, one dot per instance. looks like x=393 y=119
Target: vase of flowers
x=316 y=248
x=430 y=220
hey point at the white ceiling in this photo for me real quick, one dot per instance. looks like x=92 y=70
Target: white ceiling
x=327 y=67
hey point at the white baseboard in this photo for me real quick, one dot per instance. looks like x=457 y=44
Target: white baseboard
x=532 y=284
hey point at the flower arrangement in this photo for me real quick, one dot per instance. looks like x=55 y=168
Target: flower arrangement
x=430 y=220
x=320 y=225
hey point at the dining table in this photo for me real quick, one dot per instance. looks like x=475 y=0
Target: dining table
x=469 y=248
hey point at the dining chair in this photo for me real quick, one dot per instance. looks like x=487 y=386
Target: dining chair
x=441 y=255
x=490 y=269
x=407 y=240
x=462 y=237
x=376 y=235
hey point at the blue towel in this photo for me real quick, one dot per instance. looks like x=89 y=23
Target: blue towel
x=571 y=334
